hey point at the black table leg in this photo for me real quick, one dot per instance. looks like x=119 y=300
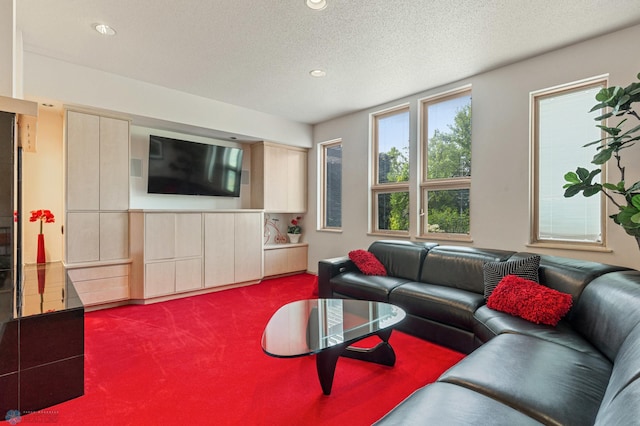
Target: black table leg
x=326 y=365
x=326 y=360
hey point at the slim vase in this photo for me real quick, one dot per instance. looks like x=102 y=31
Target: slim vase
x=41 y=258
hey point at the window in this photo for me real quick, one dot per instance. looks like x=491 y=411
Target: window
x=561 y=126
x=390 y=155
x=330 y=168
x=446 y=158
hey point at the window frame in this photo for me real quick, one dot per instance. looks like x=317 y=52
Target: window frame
x=383 y=188
x=534 y=227
x=322 y=184
x=426 y=184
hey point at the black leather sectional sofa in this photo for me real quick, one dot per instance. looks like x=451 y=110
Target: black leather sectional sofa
x=584 y=371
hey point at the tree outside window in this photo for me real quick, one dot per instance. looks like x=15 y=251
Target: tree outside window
x=446 y=177
x=391 y=187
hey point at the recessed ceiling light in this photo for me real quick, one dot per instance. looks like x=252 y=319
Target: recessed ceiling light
x=316 y=4
x=104 y=29
x=317 y=73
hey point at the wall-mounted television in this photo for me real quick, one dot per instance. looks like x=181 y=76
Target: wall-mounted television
x=192 y=168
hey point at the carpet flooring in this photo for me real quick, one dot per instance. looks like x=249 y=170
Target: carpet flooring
x=198 y=361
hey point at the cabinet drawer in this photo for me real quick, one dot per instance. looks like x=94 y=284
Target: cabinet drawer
x=99 y=272
x=103 y=290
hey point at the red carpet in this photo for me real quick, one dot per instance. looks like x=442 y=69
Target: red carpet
x=198 y=361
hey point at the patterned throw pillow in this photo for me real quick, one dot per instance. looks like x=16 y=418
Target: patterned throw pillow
x=529 y=300
x=494 y=272
x=367 y=262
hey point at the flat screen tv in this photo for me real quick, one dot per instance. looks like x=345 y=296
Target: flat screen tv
x=192 y=168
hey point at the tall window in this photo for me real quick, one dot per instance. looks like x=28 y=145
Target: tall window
x=390 y=155
x=330 y=167
x=446 y=172
x=562 y=125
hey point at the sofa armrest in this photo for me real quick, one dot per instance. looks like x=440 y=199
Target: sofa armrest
x=329 y=268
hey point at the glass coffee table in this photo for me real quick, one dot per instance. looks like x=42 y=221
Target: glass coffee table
x=328 y=328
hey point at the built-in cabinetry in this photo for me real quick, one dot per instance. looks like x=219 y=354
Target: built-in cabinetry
x=97 y=202
x=279 y=185
x=278 y=178
x=280 y=259
x=176 y=253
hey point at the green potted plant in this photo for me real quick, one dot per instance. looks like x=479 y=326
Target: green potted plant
x=617 y=102
x=294 y=230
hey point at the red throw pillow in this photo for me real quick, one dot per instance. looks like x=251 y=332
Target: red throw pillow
x=529 y=300
x=367 y=262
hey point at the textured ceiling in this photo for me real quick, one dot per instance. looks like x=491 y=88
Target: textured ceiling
x=258 y=53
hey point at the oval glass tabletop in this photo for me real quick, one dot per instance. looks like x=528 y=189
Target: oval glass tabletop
x=309 y=326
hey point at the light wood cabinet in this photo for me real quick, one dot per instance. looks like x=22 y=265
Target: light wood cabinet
x=101 y=284
x=96 y=203
x=233 y=248
x=178 y=253
x=167 y=253
x=285 y=259
x=278 y=178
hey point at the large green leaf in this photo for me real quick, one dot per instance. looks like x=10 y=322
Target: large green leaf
x=582 y=173
x=603 y=156
x=571 y=177
x=635 y=200
x=591 y=190
x=572 y=190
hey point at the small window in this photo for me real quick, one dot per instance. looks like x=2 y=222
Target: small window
x=331 y=185
x=562 y=125
x=446 y=159
x=390 y=165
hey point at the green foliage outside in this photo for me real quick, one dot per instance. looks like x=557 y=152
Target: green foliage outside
x=398 y=214
x=449 y=156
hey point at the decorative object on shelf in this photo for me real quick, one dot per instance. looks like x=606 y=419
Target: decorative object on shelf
x=610 y=147
x=44 y=216
x=294 y=230
x=279 y=238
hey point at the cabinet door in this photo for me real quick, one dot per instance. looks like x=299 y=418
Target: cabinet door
x=275 y=262
x=275 y=178
x=83 y=237
x=219 y=249
x=114 y=164
x=159 y=236
x=188 y=274
x=296 y=185
x=297 y=259
x=188 y=234
x=248 y=247
x=83 y=164
x=114 y=235
x=159 y=279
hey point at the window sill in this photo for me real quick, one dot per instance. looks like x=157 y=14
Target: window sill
x=447 y=237
x=569 y=246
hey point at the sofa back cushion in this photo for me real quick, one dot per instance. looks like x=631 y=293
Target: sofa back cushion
x=607 y=310
x=459 y=267
x=401 y=259
x=568 y=275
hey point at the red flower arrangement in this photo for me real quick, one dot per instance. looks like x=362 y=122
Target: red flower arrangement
x=44 y=216
x=295 y=228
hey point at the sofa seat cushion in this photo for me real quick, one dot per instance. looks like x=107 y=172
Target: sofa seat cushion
x=356 y=285
x=447 y=404
x=549 y=382
x=446 y=305
x=490 y=323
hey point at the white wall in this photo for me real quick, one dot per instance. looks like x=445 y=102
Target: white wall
x=500 y=172
x=86 y=87
x=140 y=199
